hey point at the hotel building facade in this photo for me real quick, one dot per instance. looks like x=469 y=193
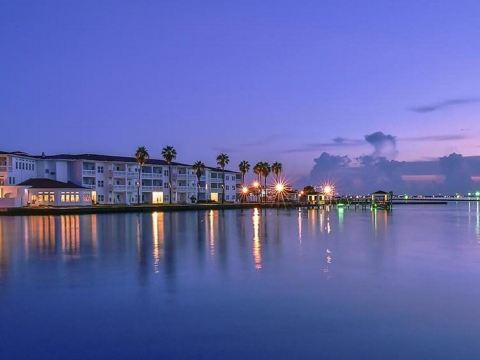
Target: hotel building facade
x=110 y=179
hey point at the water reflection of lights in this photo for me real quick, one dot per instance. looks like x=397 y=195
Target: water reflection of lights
x=257 y=246
x=300 y=225
x=477 y=226
x=211 y=240
x=379 y=219
x=328 y=262
x=158 y=239
x=70 y=235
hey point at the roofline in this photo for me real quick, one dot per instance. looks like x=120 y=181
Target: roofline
x=85 y=157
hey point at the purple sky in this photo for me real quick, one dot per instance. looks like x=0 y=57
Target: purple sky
x=261 y=80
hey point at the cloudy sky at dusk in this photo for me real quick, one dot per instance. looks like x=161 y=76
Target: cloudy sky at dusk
x=261 y=80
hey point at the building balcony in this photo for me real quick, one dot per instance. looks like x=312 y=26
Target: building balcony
x=5 y=168
x=88 y=172
x=121 y=188
x=119 y=174
x=89 y=186
x=152 y=188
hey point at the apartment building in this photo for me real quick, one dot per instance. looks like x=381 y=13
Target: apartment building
x=117 y=179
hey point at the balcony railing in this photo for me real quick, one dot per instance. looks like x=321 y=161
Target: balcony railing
x=5 y=168
x=88 y=172
x=152 y=188
x=89 y=186
x=119 y=174
x=119 y=187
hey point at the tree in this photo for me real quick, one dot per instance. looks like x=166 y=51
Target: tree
x=169 y=154
x=244 y=167
x=257 y=169
x=141 y=155
x=277 y=169
x=265 y=172
x=199 y=168
x=222 y=161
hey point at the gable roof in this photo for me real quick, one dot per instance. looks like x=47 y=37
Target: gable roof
x=380 y=192
x=39 y=183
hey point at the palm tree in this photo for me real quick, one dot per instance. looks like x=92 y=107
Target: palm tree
x=244 y=167
x=141 y=155
x=169 y=154
x=199 y=168
x=257 y=169
x=222 y=161
x=265 y=172
x=277 y=169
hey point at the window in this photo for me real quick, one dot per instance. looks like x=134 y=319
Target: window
x=227 y=187
x=213 y=175
x=165 y=185
x=165 y=173
x=182 y=171
x=227 y=177
x=100 y=183
x=100 y=169
x=214 y=186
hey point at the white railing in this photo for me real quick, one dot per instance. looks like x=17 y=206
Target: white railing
x=119 y=173
x=88 y=172
x=89 y=186
x=5 y=168
x=152 y=188
x=119 y=188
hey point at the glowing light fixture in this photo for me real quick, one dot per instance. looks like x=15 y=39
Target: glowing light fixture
x=279 y=187
x=256 y=184
x=245 y=190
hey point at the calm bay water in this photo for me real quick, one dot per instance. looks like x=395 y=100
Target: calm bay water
x=339 y=284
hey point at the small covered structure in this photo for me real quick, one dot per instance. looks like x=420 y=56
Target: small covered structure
x=381 y=198
x=47 y=192
x=316 y=198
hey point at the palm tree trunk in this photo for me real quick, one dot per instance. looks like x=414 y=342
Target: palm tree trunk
x=198 y=188
x=139 y=184
x=223 y=181
x=170 y=183
x=265 y=199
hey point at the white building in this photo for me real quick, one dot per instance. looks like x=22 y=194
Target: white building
x=115 y=179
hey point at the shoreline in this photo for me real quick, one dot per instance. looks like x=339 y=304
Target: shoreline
x=117 y=209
